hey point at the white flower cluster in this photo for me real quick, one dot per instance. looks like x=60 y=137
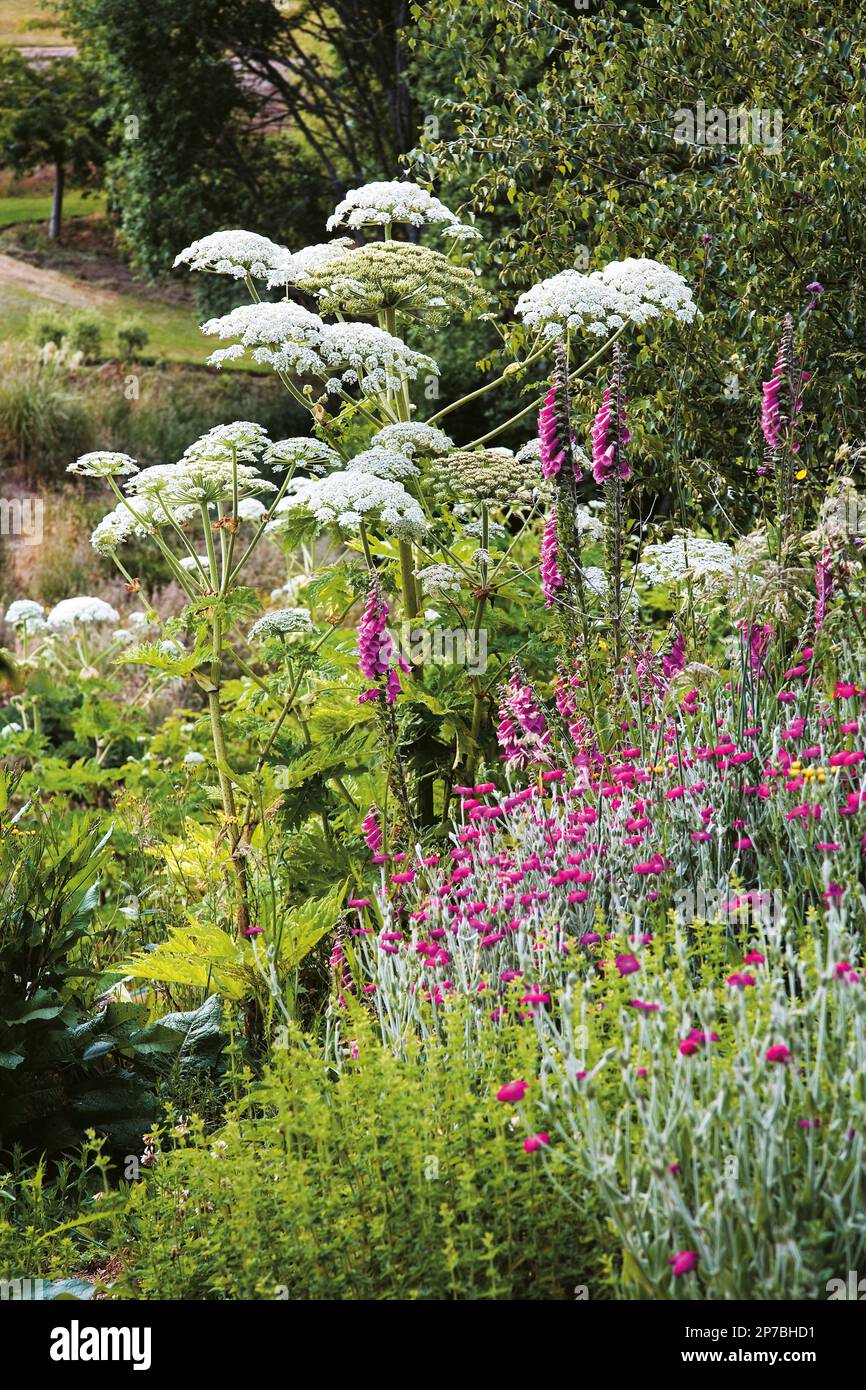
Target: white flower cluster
x=574 y=301
x=82 y=611
x=348 y=498
x=315 y=456
x=383 y=204
x=284 y=336
x=375 y=360
x=438 y=579
x=26 y=612
x=588 y=524
x=648 y=289
x=242 y=439
x=281 y=623
x=675 y=560
x=414 y=437
x=103 y=464
x=385 y=463
x=633 y=290
x=290 y=339
x=113 y=530
x=294 y=268
x=234 y=253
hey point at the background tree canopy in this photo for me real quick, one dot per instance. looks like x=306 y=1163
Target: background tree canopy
x=568 y=118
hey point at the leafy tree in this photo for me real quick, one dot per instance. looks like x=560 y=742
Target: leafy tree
x=47 y=117
x=233 y=111
x=569 y=125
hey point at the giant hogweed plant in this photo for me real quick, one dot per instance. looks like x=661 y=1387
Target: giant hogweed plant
x=414 y=516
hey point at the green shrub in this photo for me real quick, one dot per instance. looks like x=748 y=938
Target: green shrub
x=132 y=339
x=390 y=1178
x=84 y=334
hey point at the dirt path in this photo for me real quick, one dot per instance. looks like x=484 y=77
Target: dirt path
x=50 y=284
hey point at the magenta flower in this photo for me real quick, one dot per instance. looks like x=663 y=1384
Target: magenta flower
x=684 y=1262
x=512 y=1092
x=778 y=1053
x=374 y=643
x=551 y=579
x=536 y=1141
x=627 y=964
x=609 y=438
x=372 y=830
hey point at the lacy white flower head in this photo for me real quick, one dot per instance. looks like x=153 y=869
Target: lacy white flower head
x=250 y=509
x=413 y=437
x=462 y=231
x=113 y=530
x=103 y=464
x=595 y=580
x=571 y=300
x=383 y=204
x=243 y=440
x=601 y=302
x=438 y=579
x=362 y=354
x=588 y=524
x=25 y=612
x=649 y=289
x=195 y=564
x=294 y=268
x=202 y=481
x=311 y=454
x=170 y=647
x=347 y=499
x=385 y=463
x=234 y=253
x=150 y=481
x=141 y=620
x=284 y=336
x=842 y=513
x=684 y=556
x=192 y=759
x=494 y=477
x=396 y=275
x=283 y=622
x=82 y=611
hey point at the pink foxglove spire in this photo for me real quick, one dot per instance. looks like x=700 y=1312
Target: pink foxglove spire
x=551 y=579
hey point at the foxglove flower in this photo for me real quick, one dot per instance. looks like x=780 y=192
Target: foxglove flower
x=551 y=579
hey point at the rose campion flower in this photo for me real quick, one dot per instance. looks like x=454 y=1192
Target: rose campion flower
x=627 y=965
x=536 y=1141
x=683 y=1262
x=778 y=1053
x=512 y=1092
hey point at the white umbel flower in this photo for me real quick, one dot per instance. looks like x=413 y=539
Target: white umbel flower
x=241 y=439
x=385 y=463
x=383 y=204
x=103 y=464
x=25 y=612
x=360 y=353
x=250 y=509
x=414 y=437
x=284 y=336
x=684 y=556
x=649 y=289
x=572 y=301
x=297 y=265
x=311 y=454
x=193 y=759
x=438 y=579
x=236 y=253
x=113 y=530
x=81 y=611
x=346 y=499
x=625 y=291
x=283 y=622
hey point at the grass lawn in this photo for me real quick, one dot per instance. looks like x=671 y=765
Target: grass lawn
x=174 y=335
x=19 y=20
x=16 y=208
